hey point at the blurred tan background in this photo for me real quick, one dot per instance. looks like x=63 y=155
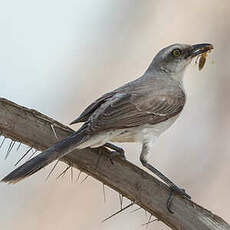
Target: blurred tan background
x=58 y=56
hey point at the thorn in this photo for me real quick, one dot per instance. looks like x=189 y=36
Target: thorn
x=23 y=156
x=79 y=174
x=54 y=131
x=131 y=204
x=71 y=174
x=19 y=145
x=136 y=209
x=63 y=172
x=98 y=159
x=121 y=199
x=9 y=149
x=52 y=170
x=149 y=222
x=3 y=141
x=32 y=154
x=103 y=185
x=84 y=179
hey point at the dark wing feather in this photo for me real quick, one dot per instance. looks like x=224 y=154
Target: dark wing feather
x=84 y=116
x=139 y=106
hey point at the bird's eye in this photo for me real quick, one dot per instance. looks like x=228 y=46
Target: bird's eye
x=176 y=52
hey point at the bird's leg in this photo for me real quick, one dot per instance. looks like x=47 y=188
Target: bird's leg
x=174 y=188
x=117 y=151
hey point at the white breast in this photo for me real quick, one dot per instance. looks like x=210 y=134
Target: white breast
x=142 y=133
x=138 y=134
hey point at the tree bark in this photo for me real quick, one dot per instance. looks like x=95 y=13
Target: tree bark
x=34 y=129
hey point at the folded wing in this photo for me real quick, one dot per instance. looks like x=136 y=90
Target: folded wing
x=146 y=102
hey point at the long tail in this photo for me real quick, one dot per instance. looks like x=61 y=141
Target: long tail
x=54 y=152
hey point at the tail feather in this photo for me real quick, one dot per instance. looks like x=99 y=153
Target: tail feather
x=56 y=151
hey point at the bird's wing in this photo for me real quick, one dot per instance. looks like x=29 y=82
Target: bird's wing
x=84 y=116
x=141 y=104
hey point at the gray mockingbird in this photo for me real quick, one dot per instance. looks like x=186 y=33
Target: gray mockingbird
x=138 y=111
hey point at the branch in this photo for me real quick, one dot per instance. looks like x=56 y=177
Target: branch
x=34 y=129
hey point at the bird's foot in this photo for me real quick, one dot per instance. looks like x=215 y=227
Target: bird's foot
x=179 y=191
x=176 y=190
x=114 y=154
x=118 y=152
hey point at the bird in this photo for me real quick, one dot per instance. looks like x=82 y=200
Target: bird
x=139 y=111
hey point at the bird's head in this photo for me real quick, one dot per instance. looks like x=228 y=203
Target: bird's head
x=175 y=58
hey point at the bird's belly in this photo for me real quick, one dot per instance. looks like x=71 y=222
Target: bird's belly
x=142 y=133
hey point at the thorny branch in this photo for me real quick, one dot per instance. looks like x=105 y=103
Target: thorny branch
x=37 y=131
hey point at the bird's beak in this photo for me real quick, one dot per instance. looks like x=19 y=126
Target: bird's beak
x=199 y=49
